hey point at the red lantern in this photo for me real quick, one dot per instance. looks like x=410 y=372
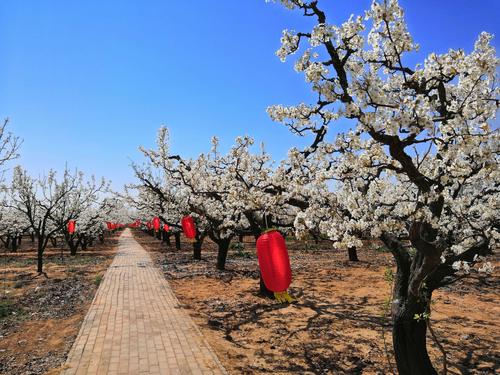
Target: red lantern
x=110 y=226
x=71 y=226
x=188 y=227
x=274 y=262
x=166 y=228
x=156 y=223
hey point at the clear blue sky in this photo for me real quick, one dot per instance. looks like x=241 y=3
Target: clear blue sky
x=87 y=82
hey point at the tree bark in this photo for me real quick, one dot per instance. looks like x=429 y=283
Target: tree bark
x=223 y=245
x=167 y=239
x=409 y=341
x=353 y=254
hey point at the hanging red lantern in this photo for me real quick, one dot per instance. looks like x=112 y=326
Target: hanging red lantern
x=274 y=264
x=166 y=228
x=110 y=226
x=71 y=226
x=156 y=223
x=188 y=227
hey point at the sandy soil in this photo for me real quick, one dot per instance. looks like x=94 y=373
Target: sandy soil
x=40 y=317
x=339 y=323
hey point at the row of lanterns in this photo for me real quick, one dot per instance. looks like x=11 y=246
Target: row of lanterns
x=187 y=223
x=272 y=254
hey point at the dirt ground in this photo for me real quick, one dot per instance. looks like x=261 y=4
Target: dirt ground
x=40 y=317
x=339 y=324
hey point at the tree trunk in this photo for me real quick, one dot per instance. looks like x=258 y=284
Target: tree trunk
x=84 y=245
x=409 y=303
x=72 y=249
x=353 y=254
x=163 y=236
x=409 y=341
x=7 y=242
x=263 y=291
x=40 y=256
x=167 y=239
x=158 y=235
x=54 y=241
x=241 y=238
x=32 y=235
x=101 y=238
x=14 y=244
x=197 y=250
x=177 y=236
x=197 y=247
x=223 y=245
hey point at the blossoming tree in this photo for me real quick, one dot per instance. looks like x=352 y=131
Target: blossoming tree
x=48 y=203
x=418 y=166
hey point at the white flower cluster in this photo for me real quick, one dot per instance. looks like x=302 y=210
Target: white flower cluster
x=420 y=137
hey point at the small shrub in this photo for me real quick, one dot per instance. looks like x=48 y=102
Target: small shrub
x=240 y=250
x=98 y=280
x=389 y=275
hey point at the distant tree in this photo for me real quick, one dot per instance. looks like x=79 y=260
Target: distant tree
x=44 y=203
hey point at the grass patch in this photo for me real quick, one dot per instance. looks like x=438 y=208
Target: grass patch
x=7 y=308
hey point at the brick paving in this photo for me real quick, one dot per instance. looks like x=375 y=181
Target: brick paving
x=135 y=324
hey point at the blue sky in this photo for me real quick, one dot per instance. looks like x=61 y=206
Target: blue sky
x=87 y=82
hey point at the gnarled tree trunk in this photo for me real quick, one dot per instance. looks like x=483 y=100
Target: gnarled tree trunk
x=409 y=340
x=411 y=299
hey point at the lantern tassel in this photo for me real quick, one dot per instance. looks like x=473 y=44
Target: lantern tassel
x=283 y=297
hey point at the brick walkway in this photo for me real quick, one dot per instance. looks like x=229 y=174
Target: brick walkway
x=135 y=324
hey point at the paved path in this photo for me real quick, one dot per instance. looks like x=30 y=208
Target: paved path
x=135 y=325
